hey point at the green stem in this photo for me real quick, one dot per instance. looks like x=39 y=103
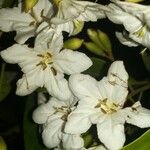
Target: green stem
x=144 y=88
x=2 y=74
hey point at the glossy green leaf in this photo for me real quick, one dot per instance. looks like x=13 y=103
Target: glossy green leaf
x=146 y=58
x=142 y=143
x=98 y=69
x=32 y=137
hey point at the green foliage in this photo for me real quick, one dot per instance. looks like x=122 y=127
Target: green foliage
x=98 y=68
x=142 y=143
x=32 y=140
x=4 y=84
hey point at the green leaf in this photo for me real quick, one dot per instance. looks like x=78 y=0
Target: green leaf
x=4 y=84
x=32 y=139
x=146 y=58
x=98 y=69
x=142 y=143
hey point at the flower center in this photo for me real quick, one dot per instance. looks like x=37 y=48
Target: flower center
x=141 y=32
x=46 y=59
x=64 y=110
x=107 y=106
x=56 y=2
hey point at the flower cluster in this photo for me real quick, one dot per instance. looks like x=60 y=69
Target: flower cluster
x=80 y=102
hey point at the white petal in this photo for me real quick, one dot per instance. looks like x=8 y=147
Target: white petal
x=48 y=38
x=72 y=141
x=52 y=133
x=117 y=74
x=41 y=113
x=112 y=92
x=24 y=33
x=124 y=39
x=112 y=135
x=12 y=16
x=92 y=11
x=57 y=85
x=79 y=116
x=84 y=87
x=97 y=148
x=117 y=15
x=16 y=53
x=42 y=8
x=70 y=62
x=139 y=116
x=23 y=86
x=41 y=98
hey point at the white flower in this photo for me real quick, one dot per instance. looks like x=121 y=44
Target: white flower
x=53 y=116
x=45 y=65
x=133 y=17
x=70 y=13
x=101 y=103
x=25 y=24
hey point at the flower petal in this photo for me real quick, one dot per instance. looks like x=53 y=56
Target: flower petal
x=112 y=92
x=124 y=39
x=69 y=62
x=16 y=54
x=117 y=15
x=23 y=88
x=72 y=141
x=78 y=121
x=48 y=38
x=84 y=87
x=112 y=135
x=42 y=9
x=12 y=16
x=52 y=134
x=44 y=111
x=117 y=74
x=56 y=85
x=139 y=116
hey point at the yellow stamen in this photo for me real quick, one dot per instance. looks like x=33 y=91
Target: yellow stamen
x=46 y=60
x=107 y=106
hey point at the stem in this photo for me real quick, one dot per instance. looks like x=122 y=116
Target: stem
x=144 y=88
x=2 y=74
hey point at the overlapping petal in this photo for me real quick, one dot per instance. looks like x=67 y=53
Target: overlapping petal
x=72 y=141
x=84 y=87
x=112 y=135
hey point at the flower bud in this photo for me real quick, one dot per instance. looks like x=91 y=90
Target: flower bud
x=104 y=40
x=94 y=48
x=93 y=35
x=2 y=144
x=29 y=4
x=73 y=43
